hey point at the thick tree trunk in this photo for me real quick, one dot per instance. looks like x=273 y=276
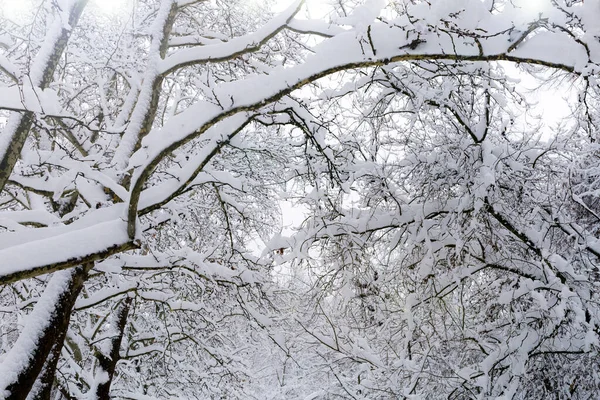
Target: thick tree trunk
x=42 y=389
x=42 y=336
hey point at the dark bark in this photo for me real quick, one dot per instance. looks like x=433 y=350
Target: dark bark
x=152 y=107
x=66 y=264
x=108 y=363
x=50 y=339
x=42 y=389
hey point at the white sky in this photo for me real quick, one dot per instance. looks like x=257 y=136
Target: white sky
x=16 y=9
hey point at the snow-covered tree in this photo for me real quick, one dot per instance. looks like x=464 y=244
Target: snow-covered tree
x=449 y=249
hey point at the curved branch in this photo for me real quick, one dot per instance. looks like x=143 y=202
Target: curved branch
x=281 y=85
x=233 y=48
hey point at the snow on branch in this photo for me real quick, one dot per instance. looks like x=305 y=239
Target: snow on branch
x=233 y=48
x=66 y=250
x=339 y=53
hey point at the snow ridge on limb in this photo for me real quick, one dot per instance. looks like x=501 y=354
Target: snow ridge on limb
x=341 y=52
x=245 y=95
x=217 y=191
x=144 y=111
x=143 y=114
x=27 y=98
x=66 y=250
x=233 y=48
x=314 y=27
x=46 y=324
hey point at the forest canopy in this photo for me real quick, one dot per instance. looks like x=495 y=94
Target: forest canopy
x=445 y=237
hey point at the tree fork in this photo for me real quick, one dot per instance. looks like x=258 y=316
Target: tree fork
x=150 y=109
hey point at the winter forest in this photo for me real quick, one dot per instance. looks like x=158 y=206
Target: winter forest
x=336 y=199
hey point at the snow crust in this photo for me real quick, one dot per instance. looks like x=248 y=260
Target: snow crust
x=71 y=245
x=35 y=323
